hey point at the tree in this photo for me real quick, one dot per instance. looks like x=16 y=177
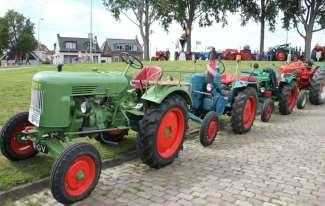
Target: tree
x=143 y=16
x=17 y=33
x=306 y=16
x=262 y=11
x=186 y=12
x=3 y=36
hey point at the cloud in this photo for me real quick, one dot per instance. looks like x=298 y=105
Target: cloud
x=72 y=18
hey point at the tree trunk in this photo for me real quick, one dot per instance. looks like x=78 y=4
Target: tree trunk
x=146 y=48
x=146 y=37
x=262 y=27
x=189 y=36
x=308 y=38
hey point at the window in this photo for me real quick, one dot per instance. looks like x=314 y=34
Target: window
x=128 y=47
x=70 y=45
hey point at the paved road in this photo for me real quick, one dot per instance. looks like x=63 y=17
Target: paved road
x=277 y=163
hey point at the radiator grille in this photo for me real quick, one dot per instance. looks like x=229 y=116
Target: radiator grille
x=77 y=90
x=36 y=107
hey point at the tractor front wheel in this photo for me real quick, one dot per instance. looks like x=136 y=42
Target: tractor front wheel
x=75 y=173
x=209 y=129
x=267 y=111
x=244 y=110
x=162 y=131
x=302 y=99
x=12 y=142
x=317 y=88
x=288 y=98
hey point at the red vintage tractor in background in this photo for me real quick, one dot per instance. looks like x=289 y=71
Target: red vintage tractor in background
x=246 y=53
x=229 y=54
x=310 y=80
x=161 y=56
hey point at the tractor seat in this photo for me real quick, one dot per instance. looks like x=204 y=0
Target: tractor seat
x=147 y=73
x=228 y=78
x=248 y=78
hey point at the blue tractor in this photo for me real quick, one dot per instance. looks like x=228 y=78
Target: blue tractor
x=226 y=94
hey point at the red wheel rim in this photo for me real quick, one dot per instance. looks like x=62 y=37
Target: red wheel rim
x=22 y=148
x=170 y=132
x=269 y=109
x=249 y=112
x=115 y=132
x=281 y=56
x=80 y=175
x=212 y=130
x=293 y=97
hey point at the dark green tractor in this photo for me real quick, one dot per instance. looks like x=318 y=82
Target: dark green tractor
x=273 y=88
x=101 y=105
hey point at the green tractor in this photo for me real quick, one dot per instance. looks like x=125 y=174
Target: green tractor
x=272 y=88
x=101 y=105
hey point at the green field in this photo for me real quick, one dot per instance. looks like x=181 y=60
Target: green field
x=15 y=86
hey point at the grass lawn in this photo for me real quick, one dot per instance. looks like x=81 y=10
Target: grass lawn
x=15 y=86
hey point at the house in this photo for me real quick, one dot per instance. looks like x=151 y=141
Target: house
x=43 y=53
x=112 y=48
x=76 y=49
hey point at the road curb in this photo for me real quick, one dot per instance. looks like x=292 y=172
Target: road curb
x=21 y=191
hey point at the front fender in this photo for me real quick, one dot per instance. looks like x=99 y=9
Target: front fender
x=158 y=93
x=287 y=78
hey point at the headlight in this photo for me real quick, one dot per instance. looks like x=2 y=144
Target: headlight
x=262 y=89
x=84 y=107
x=209 y=87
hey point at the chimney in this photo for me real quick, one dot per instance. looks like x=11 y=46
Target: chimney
x=54 y=46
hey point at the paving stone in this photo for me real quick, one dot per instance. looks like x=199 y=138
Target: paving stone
x=277 y=163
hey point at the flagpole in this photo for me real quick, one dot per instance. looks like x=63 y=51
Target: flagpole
x=91 y=31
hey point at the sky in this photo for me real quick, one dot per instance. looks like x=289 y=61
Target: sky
x=72 y=18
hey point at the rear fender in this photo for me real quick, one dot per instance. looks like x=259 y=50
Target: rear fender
x=158 y=93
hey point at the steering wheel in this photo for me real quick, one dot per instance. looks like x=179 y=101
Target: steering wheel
x=131 y=60
x=222 y=67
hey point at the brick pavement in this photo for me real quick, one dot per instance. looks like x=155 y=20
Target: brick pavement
x=277 y=163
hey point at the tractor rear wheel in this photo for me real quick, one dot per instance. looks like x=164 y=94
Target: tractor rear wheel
x=302 y=99
x=317 y=88
x=75 y=173
x=288 y=98
x=267 y=111
x=11 y=144
x=110 y=137
x=280 y=56
x=209 y=129
x=244 y=110
x=162 y=132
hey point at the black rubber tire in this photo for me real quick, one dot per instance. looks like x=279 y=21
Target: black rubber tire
x=285 y=91
x=5 y=137
x=265 y=115
x=204 y=139
x=148 y=129
x=107 y=138
x=62 y=164
x=315 y=90
x=238 y=109
x=302 y=99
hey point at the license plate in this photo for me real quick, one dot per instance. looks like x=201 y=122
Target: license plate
x=41 y=148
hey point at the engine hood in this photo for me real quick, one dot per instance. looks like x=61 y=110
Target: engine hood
x=83 y=82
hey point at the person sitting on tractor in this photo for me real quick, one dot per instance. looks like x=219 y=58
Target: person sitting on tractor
x=213 y=68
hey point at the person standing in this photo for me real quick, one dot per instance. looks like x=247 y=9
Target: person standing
x=318 y=55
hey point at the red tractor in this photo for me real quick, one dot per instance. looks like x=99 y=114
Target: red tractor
x=229 y=54
x=161 y=56
x=310 y=80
